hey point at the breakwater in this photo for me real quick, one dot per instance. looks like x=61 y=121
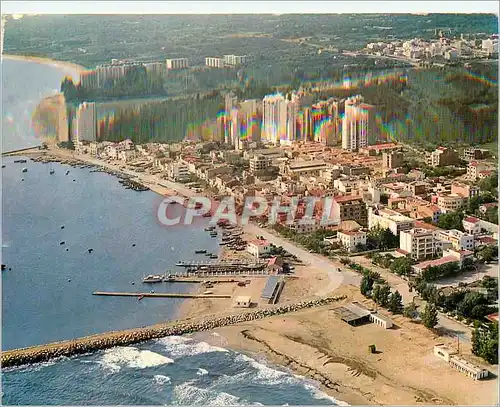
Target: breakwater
x=42 y=353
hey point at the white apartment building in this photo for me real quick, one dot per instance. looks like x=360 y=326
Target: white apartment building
x=358 y=123
x=178 y=171
x=279 y=119
x=472 y=225
x=420 y=243
x=235 y=59
x=304 y=225
x=389 y=219
x=177 y=63
x=86 y=124
x=214 y=62
x=459 y=240
x=474 y=168
x=350 y=239
x=259 y=163
x=347 y=186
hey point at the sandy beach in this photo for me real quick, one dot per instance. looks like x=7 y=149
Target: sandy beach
x=68 y=67
x=316 y=344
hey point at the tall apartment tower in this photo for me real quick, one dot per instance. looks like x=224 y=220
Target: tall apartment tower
x=86 y=123
x=279 y=119
x=358 y=123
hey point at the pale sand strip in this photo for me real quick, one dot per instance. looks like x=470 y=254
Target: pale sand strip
x=68 y=67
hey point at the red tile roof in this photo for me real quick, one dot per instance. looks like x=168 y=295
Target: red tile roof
x=438 y=262
x=492 y=317
x=258 y=242
x=471 y=219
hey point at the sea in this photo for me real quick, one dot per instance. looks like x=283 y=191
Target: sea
x=70 y=233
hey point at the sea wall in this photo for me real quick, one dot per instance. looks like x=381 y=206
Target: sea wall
x=41 y=353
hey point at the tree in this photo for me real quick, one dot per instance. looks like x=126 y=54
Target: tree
x=401 y=266
x=487 y=253
x=396 y=303
x=410 y=311
x=366 y=285
x=381 y=293
x=429 y=316
x=485 y=342
x=451 y=220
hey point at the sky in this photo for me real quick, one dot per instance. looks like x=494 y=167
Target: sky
x=246 y=7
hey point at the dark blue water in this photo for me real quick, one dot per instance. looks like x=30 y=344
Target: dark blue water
x=47 y=292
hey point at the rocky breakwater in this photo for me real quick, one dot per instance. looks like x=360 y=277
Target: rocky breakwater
x=41 y=353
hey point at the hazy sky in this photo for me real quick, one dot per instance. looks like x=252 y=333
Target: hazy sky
x=247 y=7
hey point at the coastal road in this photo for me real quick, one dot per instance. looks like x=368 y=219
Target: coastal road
x=314 y=261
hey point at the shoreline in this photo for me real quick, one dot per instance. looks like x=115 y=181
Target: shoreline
x=68 y=67
x=317 y=346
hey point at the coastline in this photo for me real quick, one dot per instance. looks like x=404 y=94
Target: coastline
x=316 y=345
x=66 y=66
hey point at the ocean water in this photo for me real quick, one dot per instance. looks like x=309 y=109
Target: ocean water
x=47 y=287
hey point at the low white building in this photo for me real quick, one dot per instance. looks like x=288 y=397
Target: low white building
x=178 y=171
x=451 y=356
x=350 y=239
x=258 y=247
x=472 y=225
x=242 y=302
x=381 y=320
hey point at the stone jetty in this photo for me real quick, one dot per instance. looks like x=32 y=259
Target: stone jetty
x=42 y=353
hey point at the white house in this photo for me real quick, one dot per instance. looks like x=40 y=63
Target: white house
x=350 y=239
x=258 y=247
x=242 y=302
x=472 y=225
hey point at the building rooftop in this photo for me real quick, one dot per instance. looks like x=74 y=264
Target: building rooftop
x=435 y=263
x=259 y=242
x=471 y=219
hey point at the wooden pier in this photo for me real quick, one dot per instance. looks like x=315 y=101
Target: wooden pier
x=158 y=295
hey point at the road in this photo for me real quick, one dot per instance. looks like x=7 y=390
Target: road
x=446 y=324
x=314 y=261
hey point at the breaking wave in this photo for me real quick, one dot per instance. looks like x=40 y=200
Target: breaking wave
x=180 y=346
x=116 y=358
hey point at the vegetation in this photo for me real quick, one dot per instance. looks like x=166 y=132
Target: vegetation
x=487 y=253
x=433 y=273
x=312 y=241
x=383 y=239
x=485 y=342
x=410 y=311
x=396 y=303
x=451 y=220
x=401 y=266
x=429 y=316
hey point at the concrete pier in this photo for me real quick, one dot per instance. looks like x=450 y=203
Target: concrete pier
x=159 y=295
x=41 y=353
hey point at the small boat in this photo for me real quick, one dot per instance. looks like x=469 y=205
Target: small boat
x=200 y=251
x=208 y=292
x=62 y=226
x=61 y=243
x=214 y=256
x=52 y=172
x=152 y=292
x=3 y=166
x=3 y=267
x=153 y=278
x=22 y=179
x=19 y=161
x=90 y=250
x=69 y=280
x=133 y=244
x=133 y=283
x=208 y=254
x=140 y=297
x=25 y=170
x=67 y=172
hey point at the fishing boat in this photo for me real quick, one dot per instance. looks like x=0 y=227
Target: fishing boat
x=208 y=254
x=140 y=297
x=25 y=170
x=200 y=251
x=51 y=172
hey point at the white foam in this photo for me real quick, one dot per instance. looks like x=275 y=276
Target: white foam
x=265 y=373
x=186 y=394
x=320 y=395
x=202 y=372
x=179 y=346
x=161 y=379
x=116 y=358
